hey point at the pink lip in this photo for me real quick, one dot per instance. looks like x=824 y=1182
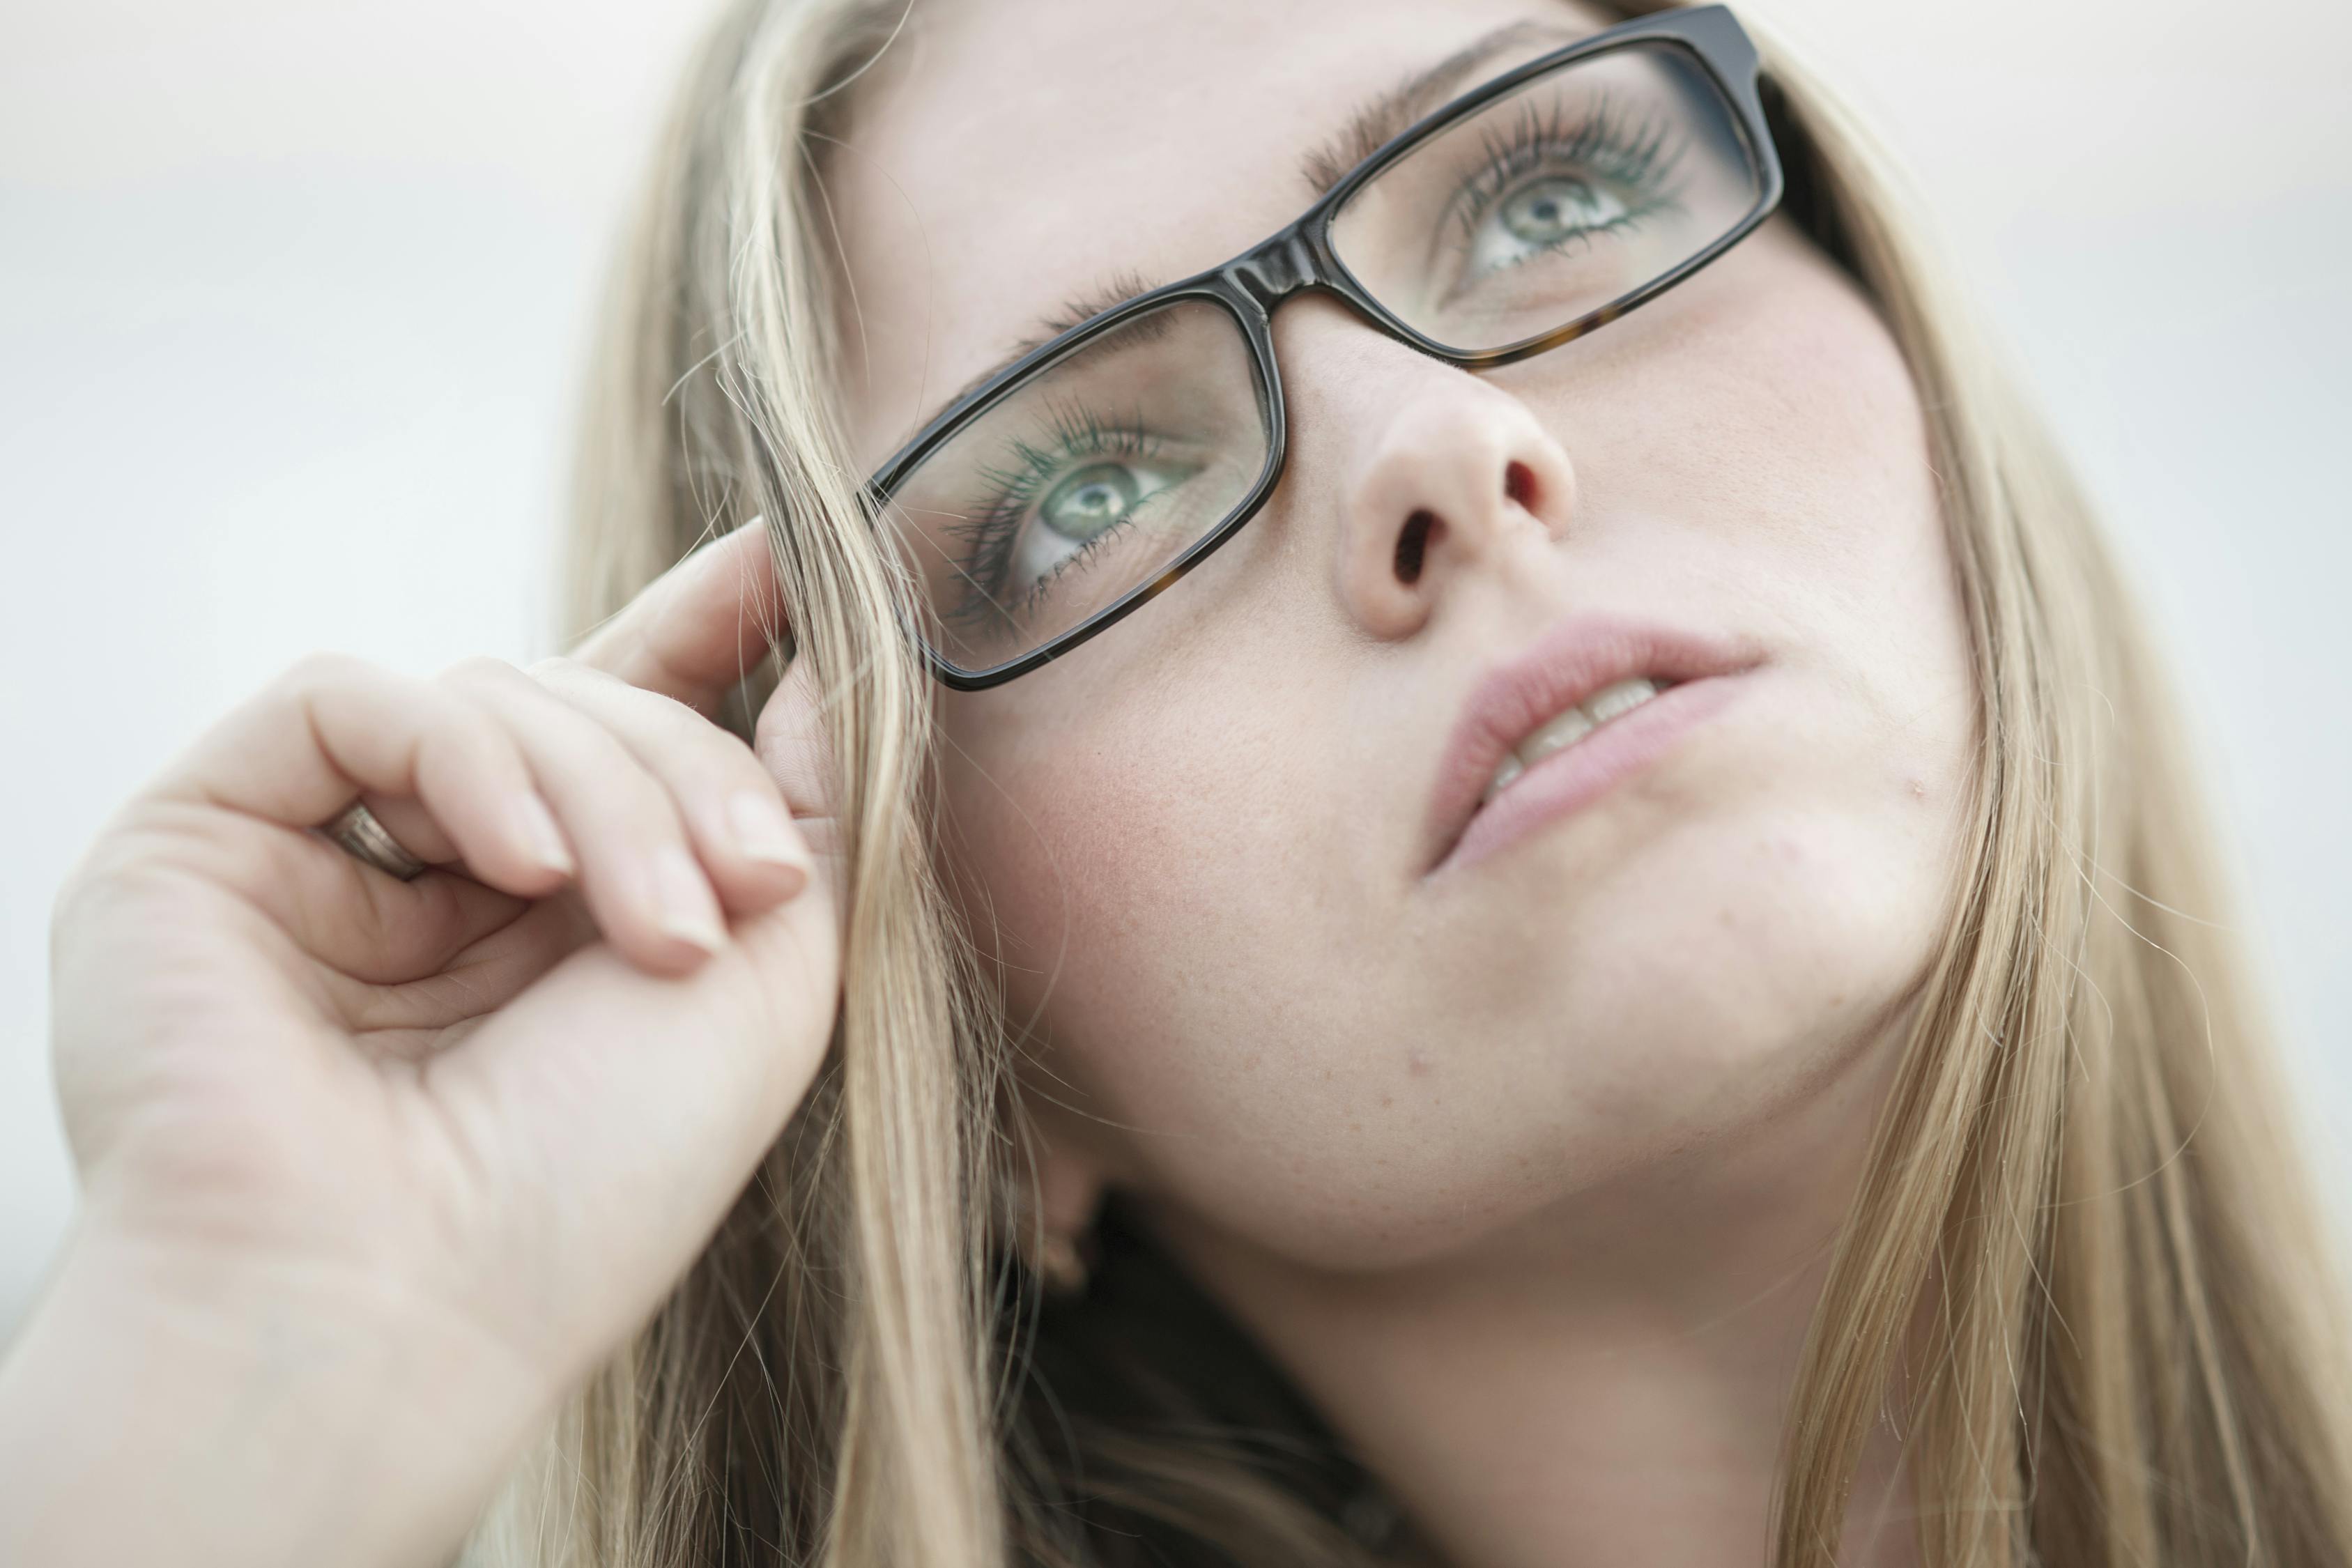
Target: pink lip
x=1564 y=666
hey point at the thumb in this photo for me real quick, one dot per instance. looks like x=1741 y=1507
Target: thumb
x=795 y=742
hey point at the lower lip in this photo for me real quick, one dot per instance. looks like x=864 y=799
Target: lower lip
x=1574 y=776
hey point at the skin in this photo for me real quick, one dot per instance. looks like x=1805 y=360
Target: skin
x=1524 y=1170
x=351 y=1216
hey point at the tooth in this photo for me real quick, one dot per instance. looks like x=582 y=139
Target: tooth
x=1564 y=730
x=1622 y=697
x=1567 y=729
x=1512 y=768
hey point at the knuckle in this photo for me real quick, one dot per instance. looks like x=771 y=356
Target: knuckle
x=136 y=850
x=650 y=800
x=679 y=717
x=595 y=763
x=480 y=669
x=320 y=668
x=737 y=767
x=459 y=739
x=470 y=727
x=703 y=755
x=589 y=689
x=703 y=798
x=555 y=667
x=91 y=897
x=617 y=703
x=85 y=885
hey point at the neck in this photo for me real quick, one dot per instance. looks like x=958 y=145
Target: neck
x=1604 y=1383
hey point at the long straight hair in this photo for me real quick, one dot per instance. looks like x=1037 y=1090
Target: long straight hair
x=2083 y=1269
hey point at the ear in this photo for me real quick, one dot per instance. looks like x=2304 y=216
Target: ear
x=1071 y=1189
x=1071 y=1180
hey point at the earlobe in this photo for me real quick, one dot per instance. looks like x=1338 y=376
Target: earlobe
x=1070 y=1188
x=1054 y=1228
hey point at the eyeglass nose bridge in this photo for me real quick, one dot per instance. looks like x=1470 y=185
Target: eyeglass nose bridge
x=1287 y=264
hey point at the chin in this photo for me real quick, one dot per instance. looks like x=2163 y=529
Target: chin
x=1643 y=993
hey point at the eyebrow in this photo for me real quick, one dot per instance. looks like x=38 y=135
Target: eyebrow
x=1384 y=117
x=1373 y=126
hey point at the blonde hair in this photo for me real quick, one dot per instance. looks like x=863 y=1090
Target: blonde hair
x=2082 y=1268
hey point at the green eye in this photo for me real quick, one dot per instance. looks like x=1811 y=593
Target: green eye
x=1091 y=500
x=1083 y=491
x=1548 y=210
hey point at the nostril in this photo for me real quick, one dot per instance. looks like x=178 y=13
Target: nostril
x=1413 y=544
x=1519 y=484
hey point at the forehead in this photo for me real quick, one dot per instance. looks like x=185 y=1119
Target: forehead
x=1008 y=156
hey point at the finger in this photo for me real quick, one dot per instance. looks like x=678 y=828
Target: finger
x=413 y=828
x=637 y=867
x=699 y=629
x=372 y=929
x=693 y=1077
x=332 y=728
x=732 y=809
x=411 y=1018
x=563 y=1075
x=353 y=921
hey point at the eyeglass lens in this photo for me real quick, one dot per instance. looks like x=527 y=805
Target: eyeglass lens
x=1093 y=476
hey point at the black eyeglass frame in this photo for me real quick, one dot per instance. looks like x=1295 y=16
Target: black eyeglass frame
x=1251 y=286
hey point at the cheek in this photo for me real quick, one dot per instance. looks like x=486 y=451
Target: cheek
x=1293 y=1047
x=1845 y=473
x=1106 y=822
x=1085 y=847
x=1809 y=513
x=1182 y=905
x=1782 y=901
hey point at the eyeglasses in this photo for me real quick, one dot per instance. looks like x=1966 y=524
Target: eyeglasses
x=1080 y=482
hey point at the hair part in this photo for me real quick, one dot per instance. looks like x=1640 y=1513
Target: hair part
x=2083 y=1273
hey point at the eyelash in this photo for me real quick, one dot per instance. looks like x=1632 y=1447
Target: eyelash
x=1075 y=435
x=1634 y=153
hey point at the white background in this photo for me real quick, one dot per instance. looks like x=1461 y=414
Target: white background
x=293 y=299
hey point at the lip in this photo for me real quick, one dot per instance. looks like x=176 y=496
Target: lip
x=1568 y=664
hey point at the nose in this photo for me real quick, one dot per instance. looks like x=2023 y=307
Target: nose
x=1451 y=474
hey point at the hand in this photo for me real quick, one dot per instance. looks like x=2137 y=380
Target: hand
x=438 y=1145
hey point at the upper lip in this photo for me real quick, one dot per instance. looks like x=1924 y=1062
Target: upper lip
x=1569 y=662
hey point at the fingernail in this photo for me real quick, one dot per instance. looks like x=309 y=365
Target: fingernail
x=765 y=834
x=688 y=912
x=542 y=838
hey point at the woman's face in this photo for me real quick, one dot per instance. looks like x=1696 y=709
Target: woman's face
x=1204 y=845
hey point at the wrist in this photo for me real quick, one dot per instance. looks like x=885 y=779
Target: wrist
x=157 y=1407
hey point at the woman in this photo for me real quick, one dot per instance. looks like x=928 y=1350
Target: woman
x=1371 y=922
